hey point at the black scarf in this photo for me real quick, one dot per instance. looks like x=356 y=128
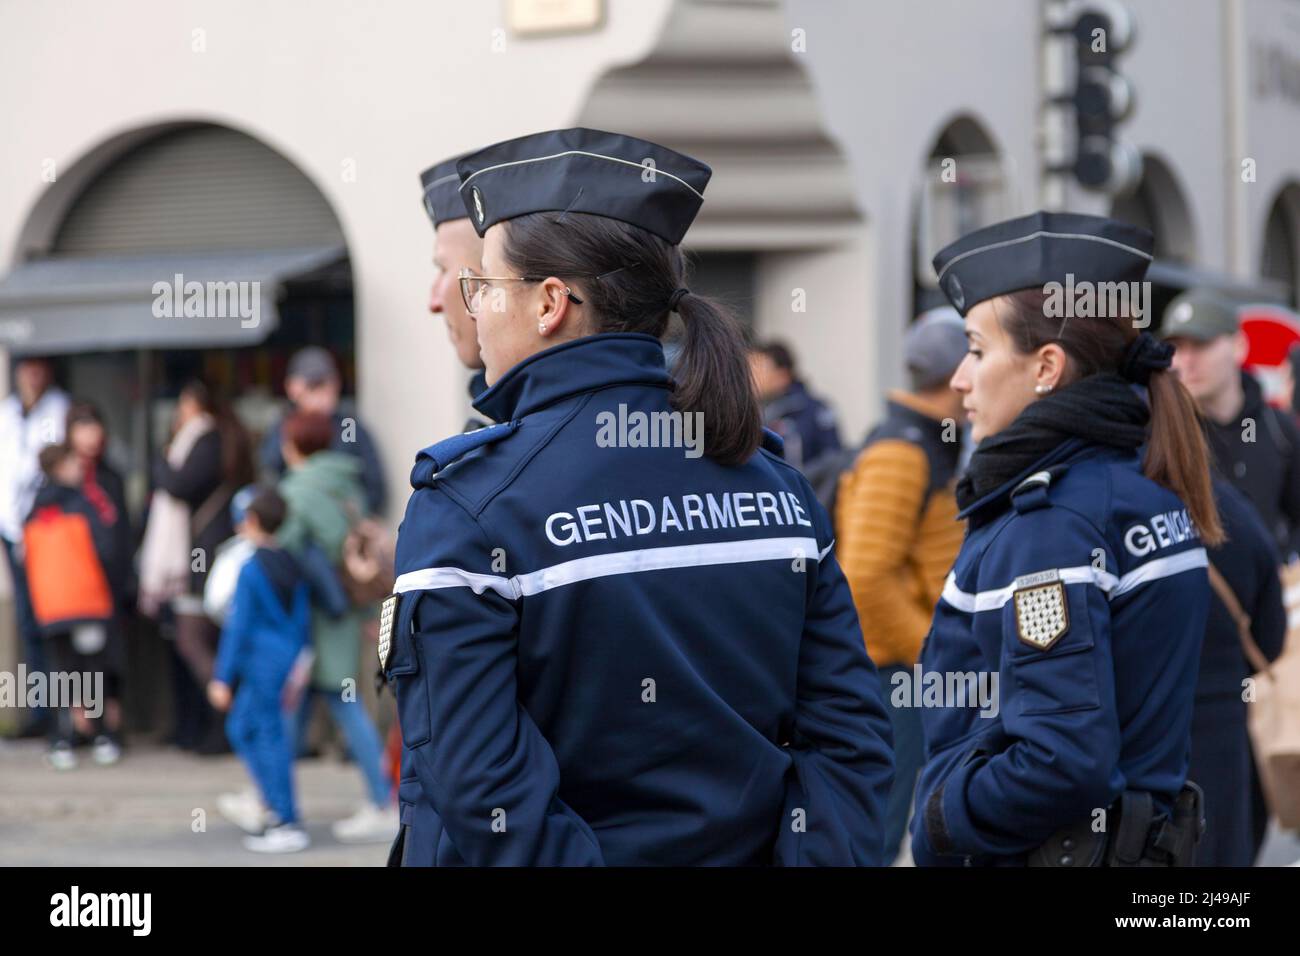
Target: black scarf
x=1101 y=408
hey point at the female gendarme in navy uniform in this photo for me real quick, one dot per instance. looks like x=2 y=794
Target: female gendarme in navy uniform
x=1081 y=586
x=612 y=643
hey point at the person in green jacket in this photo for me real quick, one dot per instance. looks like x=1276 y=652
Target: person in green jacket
x=325 y=494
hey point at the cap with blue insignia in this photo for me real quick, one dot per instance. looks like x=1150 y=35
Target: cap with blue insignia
x=1030 y=252
x=441 y=192
x=588 y=171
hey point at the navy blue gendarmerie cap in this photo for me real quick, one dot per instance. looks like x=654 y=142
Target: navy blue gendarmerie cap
x=441 y=192
x=584 y=170
x=1029 y=252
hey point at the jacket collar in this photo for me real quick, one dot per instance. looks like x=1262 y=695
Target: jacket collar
x=996 y=501
x=914 y=409
x=573 y=368
x=477 y=384
x=925 y=423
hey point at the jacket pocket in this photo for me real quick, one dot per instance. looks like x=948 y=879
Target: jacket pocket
x=406 y=678
x=1056 y=683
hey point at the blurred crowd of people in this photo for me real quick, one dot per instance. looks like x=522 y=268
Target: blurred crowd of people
x=268 y=560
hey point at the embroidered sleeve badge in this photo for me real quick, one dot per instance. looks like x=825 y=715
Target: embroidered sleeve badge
x=387 y=613
x=1042 y=615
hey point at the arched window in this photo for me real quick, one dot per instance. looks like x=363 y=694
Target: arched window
x=964 y=188
x=1280 y=256
x=1158 y=203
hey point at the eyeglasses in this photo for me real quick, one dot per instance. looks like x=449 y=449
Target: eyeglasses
x=473 y=287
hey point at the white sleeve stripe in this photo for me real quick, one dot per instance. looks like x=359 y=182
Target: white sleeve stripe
x=955 y=597
x=1162 y=568
x=619 y=562
x=992 y=600
x=658 y=559
x=1087 y=574
x=432 y=579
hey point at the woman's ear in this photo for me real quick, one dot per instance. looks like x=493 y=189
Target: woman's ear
x=554 y=308
x=1051 y=366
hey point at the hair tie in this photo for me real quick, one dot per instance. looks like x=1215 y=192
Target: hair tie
x=1144 y=355
x=676 y=297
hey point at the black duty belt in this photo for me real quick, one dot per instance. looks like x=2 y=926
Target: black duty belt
x=1131 y=833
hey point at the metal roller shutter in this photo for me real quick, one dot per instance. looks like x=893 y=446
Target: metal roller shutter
x=198 y=188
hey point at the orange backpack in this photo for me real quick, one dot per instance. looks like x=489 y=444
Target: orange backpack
x=64 y=575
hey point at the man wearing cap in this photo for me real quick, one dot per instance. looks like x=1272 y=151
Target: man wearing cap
x=1255 y=446
x=457 y=247
x=312 y=384
x=897 y=532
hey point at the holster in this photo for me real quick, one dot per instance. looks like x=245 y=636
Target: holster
x=1135 y=835
x=1176 y=837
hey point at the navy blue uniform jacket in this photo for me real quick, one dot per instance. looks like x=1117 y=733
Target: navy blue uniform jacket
x=625 y=655
x=1106 y=705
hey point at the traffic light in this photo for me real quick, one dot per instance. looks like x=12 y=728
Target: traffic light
x=1102 y=98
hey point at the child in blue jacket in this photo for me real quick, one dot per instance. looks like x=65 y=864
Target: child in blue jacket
x=266 y=629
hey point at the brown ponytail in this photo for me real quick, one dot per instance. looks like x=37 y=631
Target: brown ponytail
x=1176 y=455
x=627 y=278
x=713 y=377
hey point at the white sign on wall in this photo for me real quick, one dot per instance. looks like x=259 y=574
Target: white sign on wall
x=527 y=17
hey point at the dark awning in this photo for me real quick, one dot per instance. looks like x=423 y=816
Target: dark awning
x=191 y=300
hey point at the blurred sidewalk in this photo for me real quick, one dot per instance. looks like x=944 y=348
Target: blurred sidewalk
x=141 y=811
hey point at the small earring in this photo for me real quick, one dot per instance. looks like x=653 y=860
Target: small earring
x=1042 y=389
x=541 y=328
